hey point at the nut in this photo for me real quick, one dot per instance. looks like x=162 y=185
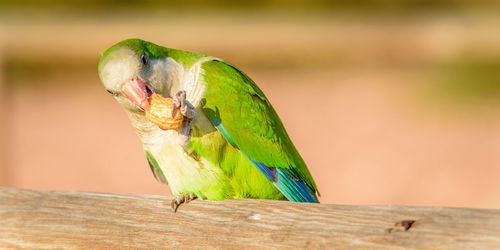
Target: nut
x=160 y=113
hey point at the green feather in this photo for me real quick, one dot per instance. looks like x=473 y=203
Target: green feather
x=243 y=179
x=250 y=119
x=155 y=167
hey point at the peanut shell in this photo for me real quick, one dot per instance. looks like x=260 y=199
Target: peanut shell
x=160 y=113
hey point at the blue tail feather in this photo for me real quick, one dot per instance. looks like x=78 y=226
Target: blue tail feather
x=294 y=189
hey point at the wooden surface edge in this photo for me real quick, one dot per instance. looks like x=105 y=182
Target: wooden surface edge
x=71 y=219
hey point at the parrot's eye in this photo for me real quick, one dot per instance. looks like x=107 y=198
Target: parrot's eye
x=144 y=59
x=109 y=91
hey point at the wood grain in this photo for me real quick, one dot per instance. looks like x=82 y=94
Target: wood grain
x=67 y=219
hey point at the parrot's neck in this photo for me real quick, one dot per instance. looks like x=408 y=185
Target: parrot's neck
x=177 y=78
x=149 y=133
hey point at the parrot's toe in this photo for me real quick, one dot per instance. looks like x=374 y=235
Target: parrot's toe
x=182 y=198
x=188 y=111
x=180 y=101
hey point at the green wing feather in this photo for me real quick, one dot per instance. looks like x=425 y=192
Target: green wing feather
x=249 y=119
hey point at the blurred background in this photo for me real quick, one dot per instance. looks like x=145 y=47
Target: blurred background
x=388 y=102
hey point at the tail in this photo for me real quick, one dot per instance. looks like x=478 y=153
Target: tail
x=287 y=183
x=294 y=189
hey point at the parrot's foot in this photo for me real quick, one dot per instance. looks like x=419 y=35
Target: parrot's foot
x=188 y=111
x=182 y=198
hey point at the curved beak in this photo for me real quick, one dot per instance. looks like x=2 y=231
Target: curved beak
x=138 y=92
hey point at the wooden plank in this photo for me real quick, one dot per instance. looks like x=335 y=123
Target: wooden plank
x=66 y=219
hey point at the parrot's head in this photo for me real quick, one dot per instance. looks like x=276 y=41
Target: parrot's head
x=131 y=71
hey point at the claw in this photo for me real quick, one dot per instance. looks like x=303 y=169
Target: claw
x=174 y=205
x=179 y=101
x=182 y=198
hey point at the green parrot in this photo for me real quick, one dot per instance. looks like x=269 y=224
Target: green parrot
x=231 y=143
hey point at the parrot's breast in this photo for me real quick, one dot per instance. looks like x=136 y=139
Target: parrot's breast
x=184 y=171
